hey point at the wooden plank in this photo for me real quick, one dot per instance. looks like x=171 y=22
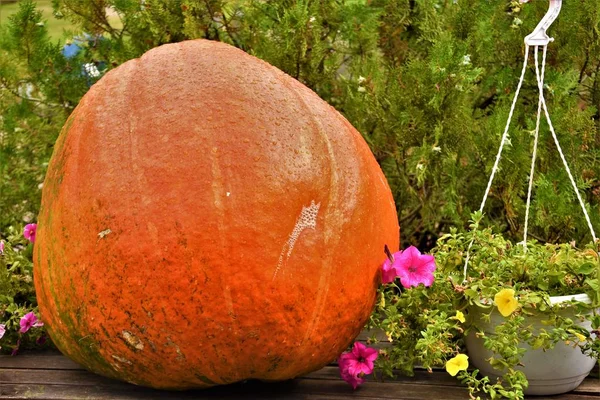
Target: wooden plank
x=32 y=361
x=85 y=378
x=422 y=377
x=56 y=361
x=55 y=392
x=53 y=376
x=51 y=384
x=301 y=388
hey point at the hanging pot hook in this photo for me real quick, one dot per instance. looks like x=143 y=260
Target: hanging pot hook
x=539 y=37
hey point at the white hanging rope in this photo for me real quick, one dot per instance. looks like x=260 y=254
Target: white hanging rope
x=535 y=143
x=505 y=134
x=541 y=104
x=504 y=137
x=562 y=156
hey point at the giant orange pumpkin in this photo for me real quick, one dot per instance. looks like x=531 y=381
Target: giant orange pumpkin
x=207 y=219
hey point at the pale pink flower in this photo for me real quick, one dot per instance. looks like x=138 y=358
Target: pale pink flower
x=29 y=321
x=414 y=268
x=1 y=247
x=2 y=330
x=29 y=232
x=388 y=268
x=354 y=365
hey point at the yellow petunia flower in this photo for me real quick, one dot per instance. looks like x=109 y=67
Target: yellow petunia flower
x=506 y=302
x=580 y=337
x=458 y=363
x=460 y=316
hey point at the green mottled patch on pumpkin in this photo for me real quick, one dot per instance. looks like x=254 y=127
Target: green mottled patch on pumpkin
x=204 y=379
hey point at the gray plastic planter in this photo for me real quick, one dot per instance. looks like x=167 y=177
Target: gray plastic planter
x=555 y=371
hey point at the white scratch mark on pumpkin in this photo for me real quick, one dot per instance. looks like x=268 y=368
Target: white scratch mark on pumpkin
x=102 y=234
x=306 y=219
x=218 y=191
x=121 y=359
x=132 y=340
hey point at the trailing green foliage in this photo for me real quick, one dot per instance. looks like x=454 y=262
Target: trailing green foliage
x=427 y=326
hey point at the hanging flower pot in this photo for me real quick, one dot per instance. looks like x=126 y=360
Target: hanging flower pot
x=548 y=371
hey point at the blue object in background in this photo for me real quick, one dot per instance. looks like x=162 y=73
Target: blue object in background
x=70 y=50
x=92 y=70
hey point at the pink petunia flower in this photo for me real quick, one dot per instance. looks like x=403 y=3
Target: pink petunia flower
x=29 y=232
x=354 y=365
x=29 y=321
x=2 y=330
x=1 y=247
x=353 y=380
x=415 y=268
x=389 y=270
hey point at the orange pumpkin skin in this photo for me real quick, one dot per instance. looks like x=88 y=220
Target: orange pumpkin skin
x=207 y=219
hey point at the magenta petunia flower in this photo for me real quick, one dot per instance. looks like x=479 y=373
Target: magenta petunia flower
x=29 y=321
x=353 y=380
x=389 y=270
x=2 y=330
x=354 y=365
x=29 y=232
x=1 y=247
x=414 y=268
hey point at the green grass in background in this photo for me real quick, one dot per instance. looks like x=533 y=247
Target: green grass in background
x=56 y=27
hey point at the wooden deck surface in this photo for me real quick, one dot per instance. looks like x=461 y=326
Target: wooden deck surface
x=50 y=375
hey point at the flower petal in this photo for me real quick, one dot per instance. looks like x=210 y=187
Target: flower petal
x=357 y=349
x=360 y=368
x=458 y=363
x=407 y=280
x=370 y=354
x=344 y=358
x=426 y=263
x=408 y=258
x=388 y=272
x=426 y=278
x=29 y=232
x=353 y=380
x=506 y=302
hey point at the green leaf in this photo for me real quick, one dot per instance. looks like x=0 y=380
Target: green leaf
x=593 y=283
x=587 y=268
x=543 y=286
x=471 y=294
